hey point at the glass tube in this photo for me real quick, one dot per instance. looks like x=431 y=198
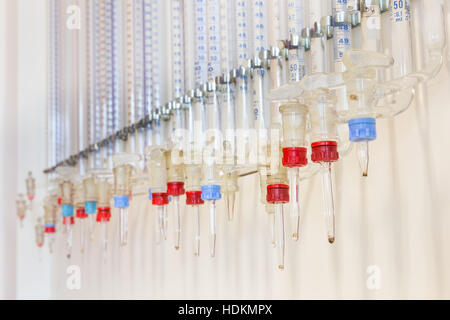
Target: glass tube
x=213 y=35
x=296 y=67
x=201 y=41
x=400 y=16
x=177 y=48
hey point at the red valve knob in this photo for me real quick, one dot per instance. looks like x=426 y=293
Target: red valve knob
x=277 y=193
x=103 y=214
x=50 y=229
x=194 y=198
x=295 y=157
x=68 y=220
x=81 y=213
x=160 y=199
x=324 y=151
x=175 y=188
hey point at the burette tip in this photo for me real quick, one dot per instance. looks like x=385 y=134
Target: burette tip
x=331 y=240
x=295 y=236
x=177 y=248
x=364 y=174
x=68 y=256
x=281 y=267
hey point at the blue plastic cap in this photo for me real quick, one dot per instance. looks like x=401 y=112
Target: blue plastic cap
x=90 y=207
x=50 y=226
x=150 y=195
x=121 y=202
x=211 y=192
x=362 y=129
x=170 y=198
x=67 y=210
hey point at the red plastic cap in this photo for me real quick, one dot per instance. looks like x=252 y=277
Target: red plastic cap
x=295 y=157
x=39 y=244
x=160 y=199
x=59 y=201
x=175 y=188
x=277 y=193
x=50 y=229
x=81 y=213
x=324 y=151
x=68 y=220
x=194 y=198
x=30 y=197
x=103 y=214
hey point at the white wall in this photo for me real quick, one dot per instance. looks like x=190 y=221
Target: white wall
x=23 y=93
x=8 y=147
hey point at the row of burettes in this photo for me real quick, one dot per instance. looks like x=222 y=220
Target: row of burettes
x=308 y=112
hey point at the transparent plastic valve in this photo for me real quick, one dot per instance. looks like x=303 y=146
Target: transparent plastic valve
x=323 y=117
x=104 y=191
x=211 y=188
x=21 y=207
x=67 y=206
x=39 y=230
x=124 y=164
x=315 y=91
x=230 y=189
x=278 y=195
x=294 y=117
x=269 y=208
x=365 y=92
x=175 y=188
x=81 y=215
x=157 y=169
x=31 y=186
x=91 y=199
x=50 y=220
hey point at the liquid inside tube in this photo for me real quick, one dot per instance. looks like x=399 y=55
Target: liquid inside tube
x=105 y=240
x=82 y=235
x=273 y=231
x=294 y=206
x=363 y=157
x=212 y=228
x=327 y=191
x=165 y=221
x=230 y=200
x=279 y=216
x=69 y=241
x=196 y=230
x=161 y=221
x=123 y=226
x=176 y=201
x=91 y=227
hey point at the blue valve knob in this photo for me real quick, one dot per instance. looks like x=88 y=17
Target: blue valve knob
x=211 y=192
x=121 y=202
x=362 y=129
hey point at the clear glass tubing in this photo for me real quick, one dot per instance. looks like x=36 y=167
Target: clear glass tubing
x=124 y=167
x=294 y=118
